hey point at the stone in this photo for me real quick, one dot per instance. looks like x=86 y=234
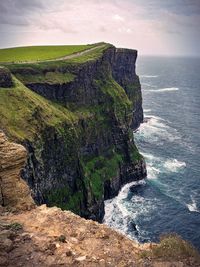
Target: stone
x=5 y=78
x=6 y=245
x=81 y=258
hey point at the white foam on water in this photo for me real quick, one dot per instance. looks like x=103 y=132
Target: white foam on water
x=170 y=89
x=152 y=130
x=117 y=212
x=173 y=165
x=147 y=110
x=159 y=165
x=122 y=213
x=149 y=156
x=192 y=206
x=148 y=84
x=152 y=172
x=155 y=129
x=148 y=76
x=153 y=165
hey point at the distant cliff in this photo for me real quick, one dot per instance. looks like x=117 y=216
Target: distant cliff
x=75 y=118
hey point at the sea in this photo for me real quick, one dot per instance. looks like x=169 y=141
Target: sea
x=168 y=200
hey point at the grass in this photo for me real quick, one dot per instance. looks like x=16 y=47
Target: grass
x=15 y=226
x=173 y=248
x=21 y=109
x=135 y=155
x=120 y=102
x=93 y=55
x=35 y=53
x=65 y=199
x=100 y=169
x=49 y=77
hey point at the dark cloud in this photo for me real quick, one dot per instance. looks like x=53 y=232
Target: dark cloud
x=184 y=7
x=17 y=7
x=17 y=12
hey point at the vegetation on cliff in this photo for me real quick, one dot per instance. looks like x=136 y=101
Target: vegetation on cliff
x=23 y=112
x=74 y=119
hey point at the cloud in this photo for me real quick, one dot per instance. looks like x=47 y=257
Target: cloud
x=18 y=12
x=152 y=26
x=118 y=18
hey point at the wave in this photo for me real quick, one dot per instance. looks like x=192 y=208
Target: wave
x=173 y=165
x=119 y=213
x=152 y=172
x=192 y=206
x=155 y=130
x=153 y=165
x=170 y=89
x=147 y=110
x=159 y=165
x=148 y=76
x=148 y=84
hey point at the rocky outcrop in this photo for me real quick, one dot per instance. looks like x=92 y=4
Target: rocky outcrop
x=14 y=192
x=51 y=237
x=5 y=78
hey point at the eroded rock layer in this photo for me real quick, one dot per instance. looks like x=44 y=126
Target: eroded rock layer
x=14 y=192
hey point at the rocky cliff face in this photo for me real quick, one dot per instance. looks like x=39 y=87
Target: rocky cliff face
x=14 y=192
x=80 y=143
x=123 y=70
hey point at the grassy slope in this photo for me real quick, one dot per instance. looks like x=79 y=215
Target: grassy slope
x=21 y=109
x=93 y=55
x=32 y=53
x=51 y=77
x=49 y=72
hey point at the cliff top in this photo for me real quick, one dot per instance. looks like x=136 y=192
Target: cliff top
x=35 y=54
x=51 y=237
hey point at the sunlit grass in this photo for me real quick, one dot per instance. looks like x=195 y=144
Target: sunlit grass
x=36 y=53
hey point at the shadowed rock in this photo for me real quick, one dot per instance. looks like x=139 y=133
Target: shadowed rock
x=5 y=78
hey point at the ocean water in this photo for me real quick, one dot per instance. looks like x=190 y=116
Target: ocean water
x=168 y=201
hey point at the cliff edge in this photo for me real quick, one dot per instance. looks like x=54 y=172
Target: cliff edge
x=45 y=236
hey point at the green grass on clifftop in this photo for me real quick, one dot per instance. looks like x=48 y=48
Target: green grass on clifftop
x=21 y=109
x=51 y=77
x=35 y=53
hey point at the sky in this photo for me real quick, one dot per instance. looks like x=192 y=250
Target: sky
x=153 y=27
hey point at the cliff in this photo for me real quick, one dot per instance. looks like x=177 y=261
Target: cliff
x=75 y=118
x=50 y=237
